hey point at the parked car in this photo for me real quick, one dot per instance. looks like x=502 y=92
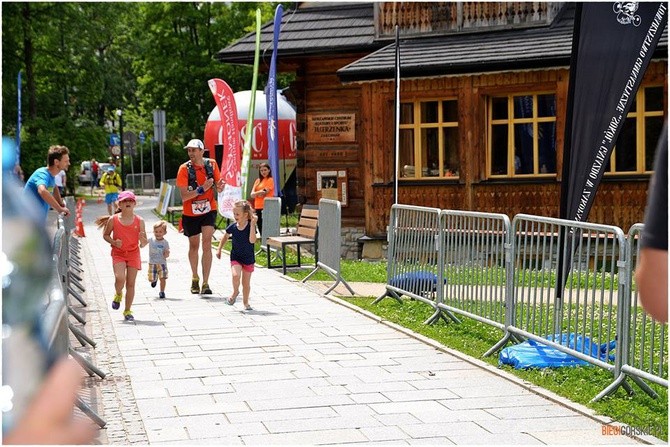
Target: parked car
x=85 y=172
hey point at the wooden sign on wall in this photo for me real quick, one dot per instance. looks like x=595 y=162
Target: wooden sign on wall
x=332 y=185
x=331 y=128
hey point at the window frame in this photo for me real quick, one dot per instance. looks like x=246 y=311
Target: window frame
x=511 y=121
x=639 y=114
x=417 y=127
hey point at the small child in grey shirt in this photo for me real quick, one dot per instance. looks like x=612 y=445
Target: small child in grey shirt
x=159 y=250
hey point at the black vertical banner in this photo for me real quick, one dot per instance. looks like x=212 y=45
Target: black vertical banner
x=615 y=45
x=612 y=46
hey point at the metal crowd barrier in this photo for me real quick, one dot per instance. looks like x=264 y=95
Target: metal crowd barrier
x=54 y=318
x=55 y=324
x=271 y=221
x=590 y=305
x=480 y=266
x=330 y=242
x=475 y=268
x=414 y=267
x=646 y=356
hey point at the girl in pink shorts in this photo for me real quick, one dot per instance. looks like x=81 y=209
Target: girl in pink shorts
x=242 y=255
x=125 y=232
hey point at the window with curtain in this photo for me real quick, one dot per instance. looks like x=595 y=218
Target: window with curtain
x=522 y=135
x=429 y=139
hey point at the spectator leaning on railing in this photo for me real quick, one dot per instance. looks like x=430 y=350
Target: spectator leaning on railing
x=43 y=178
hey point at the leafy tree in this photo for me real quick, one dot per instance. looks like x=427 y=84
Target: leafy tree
x=81 y=62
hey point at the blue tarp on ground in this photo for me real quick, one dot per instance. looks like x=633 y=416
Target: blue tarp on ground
x=533 y=354
x=416 y=282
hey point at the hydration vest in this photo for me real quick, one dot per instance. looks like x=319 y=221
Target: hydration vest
x=192 y=182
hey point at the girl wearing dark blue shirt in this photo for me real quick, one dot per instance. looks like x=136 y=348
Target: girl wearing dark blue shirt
x=242 y=256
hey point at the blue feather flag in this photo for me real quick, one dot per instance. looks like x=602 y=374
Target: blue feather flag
x=271 y=104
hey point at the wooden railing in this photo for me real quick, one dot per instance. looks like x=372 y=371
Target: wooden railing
x=415 y=18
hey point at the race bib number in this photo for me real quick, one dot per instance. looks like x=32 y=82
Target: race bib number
x=201 y=207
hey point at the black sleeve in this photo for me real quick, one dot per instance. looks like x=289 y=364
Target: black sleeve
x=655 y=233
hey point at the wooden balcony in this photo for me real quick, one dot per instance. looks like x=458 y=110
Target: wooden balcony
x=428 y=18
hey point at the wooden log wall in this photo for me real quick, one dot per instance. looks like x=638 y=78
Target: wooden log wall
x=370 y=158
x=320 y=92
x=617 y=202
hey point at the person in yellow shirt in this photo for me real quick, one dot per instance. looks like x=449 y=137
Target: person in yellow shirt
x=111 y=181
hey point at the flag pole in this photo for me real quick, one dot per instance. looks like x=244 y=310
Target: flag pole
x=246 y=153
x=397 y=116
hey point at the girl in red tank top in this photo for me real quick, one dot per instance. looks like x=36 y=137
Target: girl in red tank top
x=125 y=232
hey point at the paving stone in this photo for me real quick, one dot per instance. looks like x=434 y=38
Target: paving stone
x=383 y=433
x=322 y=437
x=300 y=369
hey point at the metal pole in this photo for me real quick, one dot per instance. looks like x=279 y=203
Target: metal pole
x=396 y=163
x=162 y=160
x=142 y=165
x=153 y=171
x=163 y=145
x=132 y=163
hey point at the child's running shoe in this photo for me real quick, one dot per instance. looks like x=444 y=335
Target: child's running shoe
x=161 y=294
x=205 y=289
x=116 y=303
x=195 y=285
x=153 y=283
x=128 y=315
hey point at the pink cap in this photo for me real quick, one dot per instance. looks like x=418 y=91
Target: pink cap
x=127 y=195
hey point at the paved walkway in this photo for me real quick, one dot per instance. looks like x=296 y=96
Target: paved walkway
x=298 y=369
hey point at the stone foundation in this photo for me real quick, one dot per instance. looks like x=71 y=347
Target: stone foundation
x=350 y=237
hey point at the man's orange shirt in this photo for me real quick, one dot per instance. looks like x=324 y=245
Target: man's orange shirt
x=205 y=202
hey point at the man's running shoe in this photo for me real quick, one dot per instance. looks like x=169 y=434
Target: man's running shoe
x=153 y=283
x=205 y=289
x=161 y=294
x=128 y=315
x=195 y=285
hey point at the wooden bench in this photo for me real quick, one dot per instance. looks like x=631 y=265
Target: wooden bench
x=171 y=211
x=306 y=234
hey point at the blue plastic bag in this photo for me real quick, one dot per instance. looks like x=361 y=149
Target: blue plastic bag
x=533 y=354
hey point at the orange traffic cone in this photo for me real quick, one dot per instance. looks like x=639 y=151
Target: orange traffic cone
x=181 y=228
x=79 y=228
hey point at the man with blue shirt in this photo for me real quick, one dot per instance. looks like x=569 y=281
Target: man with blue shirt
x=41 y=184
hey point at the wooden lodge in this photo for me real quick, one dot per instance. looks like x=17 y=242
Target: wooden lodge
x=483 y=97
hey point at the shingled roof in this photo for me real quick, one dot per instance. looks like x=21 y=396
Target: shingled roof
x=515 y=49
x=318 y=30
x=349 y=27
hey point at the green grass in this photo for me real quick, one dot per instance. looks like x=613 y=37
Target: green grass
x=495 y=276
